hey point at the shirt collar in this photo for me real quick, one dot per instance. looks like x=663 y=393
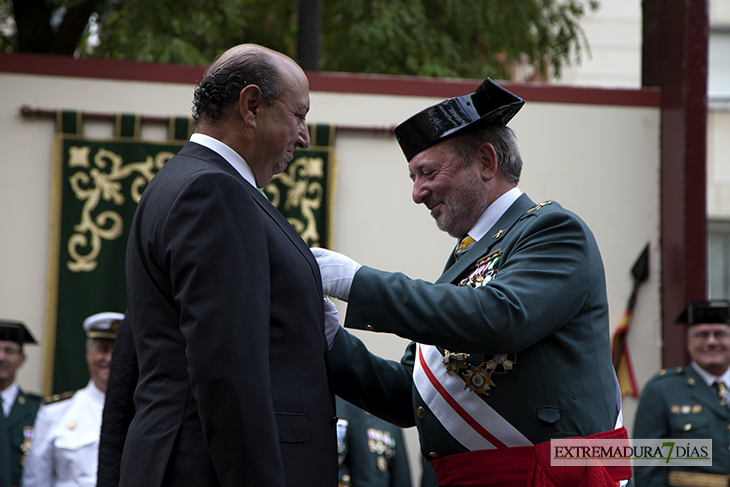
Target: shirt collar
x=709 y=378
x=9 y=394
x=493 y=213
x=231 y=156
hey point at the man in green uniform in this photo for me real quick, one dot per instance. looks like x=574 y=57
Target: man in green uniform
x=511 y=344
x=19 y=407
x=692 y=402
x=370 y=452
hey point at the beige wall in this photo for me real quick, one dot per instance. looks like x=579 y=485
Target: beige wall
x=600 y=161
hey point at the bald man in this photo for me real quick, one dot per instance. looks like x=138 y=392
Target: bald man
x=225 y=298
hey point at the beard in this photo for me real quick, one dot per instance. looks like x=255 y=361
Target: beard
x=459 y=209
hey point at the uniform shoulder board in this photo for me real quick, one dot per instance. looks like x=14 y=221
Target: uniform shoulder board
x=671 y=372
x=32 y=397
x=58 y=397
x=538 y=206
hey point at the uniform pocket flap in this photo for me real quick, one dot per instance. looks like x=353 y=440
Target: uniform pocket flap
x=76 y=442
x=548 y=414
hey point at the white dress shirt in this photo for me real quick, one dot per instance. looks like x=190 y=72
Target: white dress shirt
x=9 y=394
x=233 y=158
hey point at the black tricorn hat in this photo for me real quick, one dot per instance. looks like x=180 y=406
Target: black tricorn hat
x=490 y=104
x=15 y=331
x=705 y=311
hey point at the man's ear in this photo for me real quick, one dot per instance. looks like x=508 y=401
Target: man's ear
x=249 y=104
x=487 y=157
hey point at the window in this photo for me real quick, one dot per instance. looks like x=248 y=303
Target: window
x=718 y=259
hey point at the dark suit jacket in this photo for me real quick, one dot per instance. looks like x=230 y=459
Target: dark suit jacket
x=225 y=302
x=547 y=304
x=676 y=403
x=22 y=415
x=118 y=406
x=4 y=453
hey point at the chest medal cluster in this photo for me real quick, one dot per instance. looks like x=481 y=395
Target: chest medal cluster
x=383 y=445
x=478 y=378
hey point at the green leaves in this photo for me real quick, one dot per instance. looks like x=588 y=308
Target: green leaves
x=439 y=38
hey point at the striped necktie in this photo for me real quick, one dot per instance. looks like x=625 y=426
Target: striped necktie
x=721 y=391
x=464 y=245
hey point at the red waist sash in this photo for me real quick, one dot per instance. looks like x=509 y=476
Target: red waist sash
x=525 y=466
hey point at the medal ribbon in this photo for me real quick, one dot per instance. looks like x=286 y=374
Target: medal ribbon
x=470 y=420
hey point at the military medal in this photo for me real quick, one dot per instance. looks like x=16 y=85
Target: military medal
x=455 y=362
x=341 y=445
x=482 y=271
x=25 y=446
x=477 y=381
x=501 y=363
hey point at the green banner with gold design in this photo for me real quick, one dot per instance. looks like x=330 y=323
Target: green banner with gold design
x=96 y=187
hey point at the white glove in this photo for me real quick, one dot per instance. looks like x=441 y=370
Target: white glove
x=331 y=322
x=337 y=272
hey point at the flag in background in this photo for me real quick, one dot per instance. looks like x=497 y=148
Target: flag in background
x=620 y=349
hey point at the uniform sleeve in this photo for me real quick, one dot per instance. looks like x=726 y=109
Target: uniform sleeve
x=220 y=271
x=542 y=283
x=39 y=466
x=651 y=422
x=381 y=387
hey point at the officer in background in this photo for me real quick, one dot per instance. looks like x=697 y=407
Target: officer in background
x=370 y=452
x=66 y=444
x=19 y=407
x=692 y=402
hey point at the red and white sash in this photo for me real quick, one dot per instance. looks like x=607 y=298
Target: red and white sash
x=470 y=420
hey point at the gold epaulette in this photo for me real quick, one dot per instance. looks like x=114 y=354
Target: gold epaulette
x=58 y=397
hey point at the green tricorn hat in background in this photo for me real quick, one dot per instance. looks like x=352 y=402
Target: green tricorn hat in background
x=705 y=311
x=15 y=331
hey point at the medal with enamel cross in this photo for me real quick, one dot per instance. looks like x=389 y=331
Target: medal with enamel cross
x=478 y=381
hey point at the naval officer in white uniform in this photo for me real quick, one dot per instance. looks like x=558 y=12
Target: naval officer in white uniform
x=66 y=441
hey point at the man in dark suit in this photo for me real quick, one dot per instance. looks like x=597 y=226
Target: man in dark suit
x=4 y=454
x=686 y=402
x=511 y=344
x=19 y=407
x=225 y=299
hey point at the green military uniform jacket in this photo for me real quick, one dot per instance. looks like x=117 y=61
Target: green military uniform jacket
x=545 y=307
x=676 y=403
x=21 y=416
x=371 y=452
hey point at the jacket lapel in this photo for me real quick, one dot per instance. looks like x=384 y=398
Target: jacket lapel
x=196 y=150
x=19 y=411
x=705 y=394
x=454 y=269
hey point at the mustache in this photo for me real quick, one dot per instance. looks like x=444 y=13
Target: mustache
x=432 y=200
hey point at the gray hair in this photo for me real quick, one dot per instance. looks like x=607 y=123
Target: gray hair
x=504 y=141
x=222 y=84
